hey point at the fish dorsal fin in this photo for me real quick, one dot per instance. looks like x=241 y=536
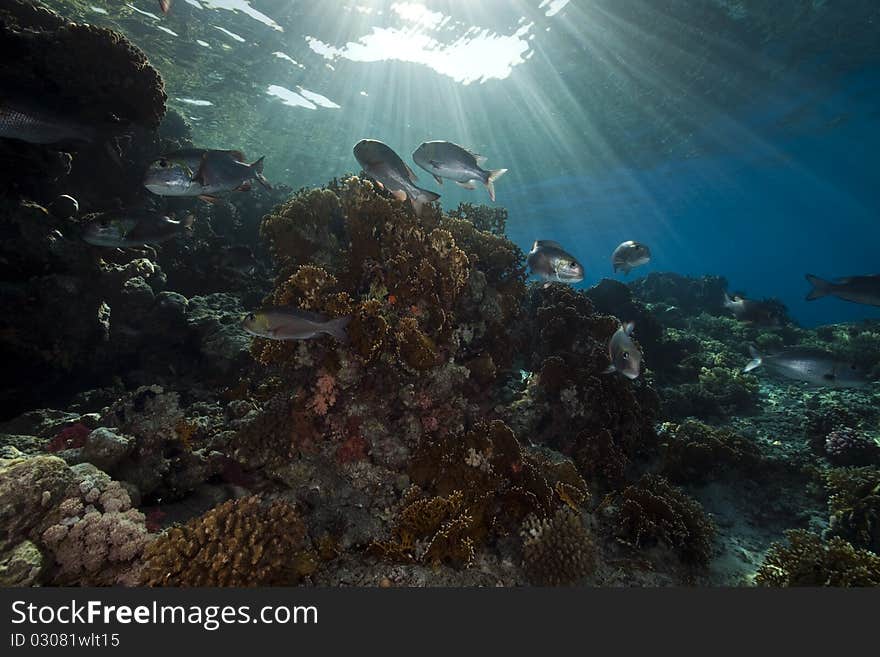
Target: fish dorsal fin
x=412 y=175
x=629 y=327
x=548 y=243
x=298 y=312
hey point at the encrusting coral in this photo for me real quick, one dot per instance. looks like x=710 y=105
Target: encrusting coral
x=244 y=542
x=807 y=560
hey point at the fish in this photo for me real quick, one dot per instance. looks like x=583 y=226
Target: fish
x=760 y=313
x=857 y=289
x=385 y=167
x=811 y=365
x=629 y=255
x=625 y=355
x=133 y=229
x=290 y=323
x=203 y=173
x=443 y=159
x=164 y=6
x=26 y=121
x=550 y=262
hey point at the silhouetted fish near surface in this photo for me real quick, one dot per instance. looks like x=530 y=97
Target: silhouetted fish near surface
x=625 y=355
x=550 y=262
x=629 y=255
x=289 y=323
x=26 y=121
x=857 y=289
x=203 y=173
x=134 y=229
x=811 y=365
x=385 y=167
x=443 y=159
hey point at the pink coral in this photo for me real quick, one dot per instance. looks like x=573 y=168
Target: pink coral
x=99 y=538
x=325 y=394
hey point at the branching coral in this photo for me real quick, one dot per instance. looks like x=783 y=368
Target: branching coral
x=653 y=511
x=807 y=560
x=854 y=504
x=483 y=485
x=694 y=451
x=245 y=542
x=557 y=550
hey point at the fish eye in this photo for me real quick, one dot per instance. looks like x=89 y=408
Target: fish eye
x=250 y=317
x=163 y=163
x=625 y=355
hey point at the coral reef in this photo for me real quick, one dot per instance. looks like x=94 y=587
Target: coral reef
x=854 y=505
x=557 y=551
x=652 y=511
x=807 y=560
x=245 y=542
x=847 y=446
x=67 y=525
x=694 y=452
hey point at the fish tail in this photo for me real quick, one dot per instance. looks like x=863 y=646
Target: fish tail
x=257 y=168
x=756 y=361
x=491 y=179
x=821 y=287
x=421 y=199
x=337 y=328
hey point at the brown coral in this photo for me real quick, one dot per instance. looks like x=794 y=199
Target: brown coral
x=245 y=542
x=807 y=560
x=558 y=550
x=653 y=511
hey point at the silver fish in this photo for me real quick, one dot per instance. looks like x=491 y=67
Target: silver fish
x=629 y=255
x=857 y=289
x=625 y=355
x=26 y=122
x=549 y=261
x=811 y=365
x=385 y=167
x=135 y=229
x=203 y=173
x=443 y=159
x=755 y=312
x=289 y=323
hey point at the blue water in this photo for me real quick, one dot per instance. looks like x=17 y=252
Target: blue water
x=763 y=215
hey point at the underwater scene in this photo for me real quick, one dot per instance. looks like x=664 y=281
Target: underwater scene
x=440 y=293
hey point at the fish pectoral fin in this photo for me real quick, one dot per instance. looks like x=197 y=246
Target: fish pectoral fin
x=200 y=175
x=609 y=370
x=434 y=163
x=246 y=186
x=438 y=179
x=380 y=185
x=412 y=174
x=467 y=185
x=208 y=198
